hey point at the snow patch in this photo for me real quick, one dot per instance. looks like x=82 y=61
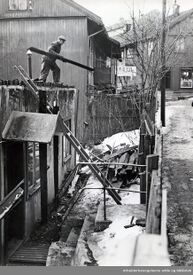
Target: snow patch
x=130 y=138
x=114 y=243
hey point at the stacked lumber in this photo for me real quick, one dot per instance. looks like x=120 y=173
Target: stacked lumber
x=120 y=172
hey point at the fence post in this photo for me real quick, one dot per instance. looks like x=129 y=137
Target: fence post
x=151 y=164
x=105 y=214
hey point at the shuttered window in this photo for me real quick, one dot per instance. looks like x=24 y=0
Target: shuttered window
x=18 y=4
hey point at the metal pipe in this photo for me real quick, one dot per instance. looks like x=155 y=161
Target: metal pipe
x=93 y=34
x=112 y=163
x=29 y=55
x=108 y=188
x=105 y=214
x=163 y=61
x=78 y=194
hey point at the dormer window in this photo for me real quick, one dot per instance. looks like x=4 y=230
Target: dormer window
x=18 y=5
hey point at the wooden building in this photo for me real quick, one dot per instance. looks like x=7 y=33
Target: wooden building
x=34 y=156
x=179 y=38
x=180 y=74
x=37 y=23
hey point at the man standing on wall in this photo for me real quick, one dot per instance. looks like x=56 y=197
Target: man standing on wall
x=49 y=62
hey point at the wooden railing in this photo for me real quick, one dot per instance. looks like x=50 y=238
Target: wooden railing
x=10 y=201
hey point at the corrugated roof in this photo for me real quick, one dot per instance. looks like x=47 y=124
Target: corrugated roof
x=34 y=127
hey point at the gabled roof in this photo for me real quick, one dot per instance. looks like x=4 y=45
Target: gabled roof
x=92 y=16
x=173 y=21
x=96 y=19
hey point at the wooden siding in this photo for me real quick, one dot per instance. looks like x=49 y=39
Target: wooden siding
x=175 y=78
x=18 y=35
x=40 y=8
x=185 y=57
x=19 y=99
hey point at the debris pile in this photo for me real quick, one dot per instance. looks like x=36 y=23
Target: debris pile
x=117 y=157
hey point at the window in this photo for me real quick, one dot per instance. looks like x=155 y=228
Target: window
x=18 y=5
x=180 y=44
x=66 y=145
x=33 y=171
x=130 y=53
x=108 y=62
x=186 y=78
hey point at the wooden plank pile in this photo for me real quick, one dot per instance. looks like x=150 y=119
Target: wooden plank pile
x=121 y=172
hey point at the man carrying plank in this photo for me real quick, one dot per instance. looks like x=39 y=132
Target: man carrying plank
x=49 y=62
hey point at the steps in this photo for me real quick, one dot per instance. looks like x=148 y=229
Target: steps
x=61 y=253
x=78 y=244
x=29 y=255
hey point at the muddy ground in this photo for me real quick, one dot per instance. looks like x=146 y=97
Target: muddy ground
x=178 y=176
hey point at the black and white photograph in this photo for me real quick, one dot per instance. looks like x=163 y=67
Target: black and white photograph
x=96 y=136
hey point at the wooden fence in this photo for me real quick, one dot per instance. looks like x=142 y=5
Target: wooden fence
x=108 y=115
x=152 y=247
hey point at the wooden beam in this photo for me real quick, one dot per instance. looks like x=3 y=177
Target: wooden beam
x=56 y=171
x=8 y=203
x=151 y=164
x=153 y=221
x=43 y=164
x=61 y=58
x=142 y=187
x=2 y=224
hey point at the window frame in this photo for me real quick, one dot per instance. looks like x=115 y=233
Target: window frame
x=66 y=144
x=33 y=182
x=17 y=5
x=187 y=79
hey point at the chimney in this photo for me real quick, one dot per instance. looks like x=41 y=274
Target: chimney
x=127 y=27
x=176 y=9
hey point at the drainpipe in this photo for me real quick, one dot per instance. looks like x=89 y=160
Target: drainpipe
x=94 y=34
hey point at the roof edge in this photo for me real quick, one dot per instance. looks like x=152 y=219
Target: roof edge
x=92 y=16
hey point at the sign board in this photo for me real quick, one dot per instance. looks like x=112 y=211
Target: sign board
x=123 y=70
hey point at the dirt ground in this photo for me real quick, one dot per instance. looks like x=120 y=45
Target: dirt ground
x=178 y=176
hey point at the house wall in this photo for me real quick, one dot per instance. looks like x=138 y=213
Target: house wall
x=13 y=98
x=41 y=8
x=183 y=58
x=67 y=102
x=40 y=33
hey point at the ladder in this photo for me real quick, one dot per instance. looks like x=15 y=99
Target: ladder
x=28 y=81
x=93 y=167
x=73 y=140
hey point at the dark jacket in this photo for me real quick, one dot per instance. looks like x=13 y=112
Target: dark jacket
x=55 y=47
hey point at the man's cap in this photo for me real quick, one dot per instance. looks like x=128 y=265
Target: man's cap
x=61 y=37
